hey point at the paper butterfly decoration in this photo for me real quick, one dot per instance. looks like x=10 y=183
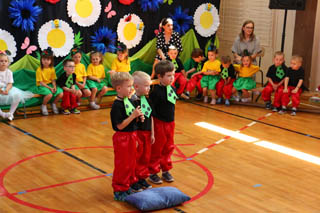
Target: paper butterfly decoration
x=109 y=10
x=25 y=46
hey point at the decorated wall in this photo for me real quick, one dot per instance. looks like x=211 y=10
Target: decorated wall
x=28 y=26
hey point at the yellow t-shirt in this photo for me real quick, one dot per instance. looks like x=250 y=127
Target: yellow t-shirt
x=212 y=66
x=46 y=75
x=96 y=71
x=245 y=72
x=120 y=66
x=80 y=72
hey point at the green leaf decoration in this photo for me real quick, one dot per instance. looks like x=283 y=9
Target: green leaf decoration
x=38 y=55
x=78 y=39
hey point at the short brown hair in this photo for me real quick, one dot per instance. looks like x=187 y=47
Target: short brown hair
x=225 y=59
x=47 y=57
x=65 y=62
x=297 y=58
x=118 y=78
x=163 y=67
x=197 y=52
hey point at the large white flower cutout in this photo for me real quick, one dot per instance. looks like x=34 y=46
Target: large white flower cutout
x=130 y=30
x=84 y=12
x=58 y=35
x=7 y=42
x=206 y=19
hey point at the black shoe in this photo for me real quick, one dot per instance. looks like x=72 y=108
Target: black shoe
x=199 y=97
x=154 y=178
x=283 y=110
x=136 y=187
x=268 y=105
x=166 y=176
x=275 y=109
x=144 y=184
x=120 y=196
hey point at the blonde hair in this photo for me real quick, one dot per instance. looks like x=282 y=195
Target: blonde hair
x=297 y=58
x=97 y=53
x=278 y=53
x=118 y=78
x=139 y=76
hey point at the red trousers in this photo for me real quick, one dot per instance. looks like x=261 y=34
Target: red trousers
x=268 y=90
x=182 y=81
x=124 y=145
x=163 y=147
x=143 y=154
x=224 y=89
x=294 y=96
x=69 y=100
x=194 y=82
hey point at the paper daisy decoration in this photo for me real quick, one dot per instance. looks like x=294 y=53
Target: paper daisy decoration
x=24 y=14
x=7 y=42
x=152 y=5
x=181 y=20
x=130 y=30
x=206 y=19
x=84 y=12
x=58 y=35
x=104 y=40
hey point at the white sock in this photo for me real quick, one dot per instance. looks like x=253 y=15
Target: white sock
x=14 y=106
x=1 y=113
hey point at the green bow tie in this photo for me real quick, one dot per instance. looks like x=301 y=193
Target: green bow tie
x=128 y=106
x=175 y=64
x=69 y=81
x=171 y=95
x=280 y=72
x=199 y=67
x=225 y=73
x=145 y=107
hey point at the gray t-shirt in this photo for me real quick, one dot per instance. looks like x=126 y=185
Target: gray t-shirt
x=252 y=46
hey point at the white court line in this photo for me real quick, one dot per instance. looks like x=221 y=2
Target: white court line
x=202 y=150
x=310 y=105
x=220 y=141
x=267 y=115
x=252 y=123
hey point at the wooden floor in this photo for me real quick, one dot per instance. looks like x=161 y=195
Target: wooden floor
x=62 y=163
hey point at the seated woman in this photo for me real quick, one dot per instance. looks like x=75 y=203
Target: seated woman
x=246 y=40
x=166 y=38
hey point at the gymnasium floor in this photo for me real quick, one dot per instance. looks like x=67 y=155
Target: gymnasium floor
x=228 y=159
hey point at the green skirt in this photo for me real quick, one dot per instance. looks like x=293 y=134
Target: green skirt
x=210 y=81
x=94 y=84
x=41 y=90
x=244 y=83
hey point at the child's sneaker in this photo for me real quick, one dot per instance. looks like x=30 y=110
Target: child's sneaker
x=294 y=111
x=120 y=196
x=136 y=187
x=144 y=184
x=237 y=98
x=205 y=100
x=78 y=103
x=282 y=111
x=10 y=116
x=227 y=102
x=275 y=109
x=268 y=105
x=66 y=112
x=93 y=105
x=184 y=96
x=219 y=101
x=213 y=101
x=44 y=110
x=54 y=109
x=199 y=97
x=75 y=111
x=154 y=178
x=166 y=176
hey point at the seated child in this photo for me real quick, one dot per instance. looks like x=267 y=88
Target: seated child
x=46 y=82
x=276 y=74
x=96 y=83
x=67 y=82
x=123 y=118
x=245 y=82
x=211 y=71
x=192 y=66
x=9 y=95
x=180 y=75
x=80 y=71
x=121 y=63
x=142 y=82
x=225 y=85
x=163 y=99
x=292 y=85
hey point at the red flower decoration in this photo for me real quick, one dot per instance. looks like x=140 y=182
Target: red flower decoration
x=53 y=1
x=126 y=2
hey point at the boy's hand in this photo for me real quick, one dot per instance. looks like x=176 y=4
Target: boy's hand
x=81 y=86
x=137 y=112
x=52 y=90
x=98 y=80
x=142 y=118
x=275 y=86
x=285 y=90
x=73 y=91
x=4 y=92
x=295 y=90
x=152 y=139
